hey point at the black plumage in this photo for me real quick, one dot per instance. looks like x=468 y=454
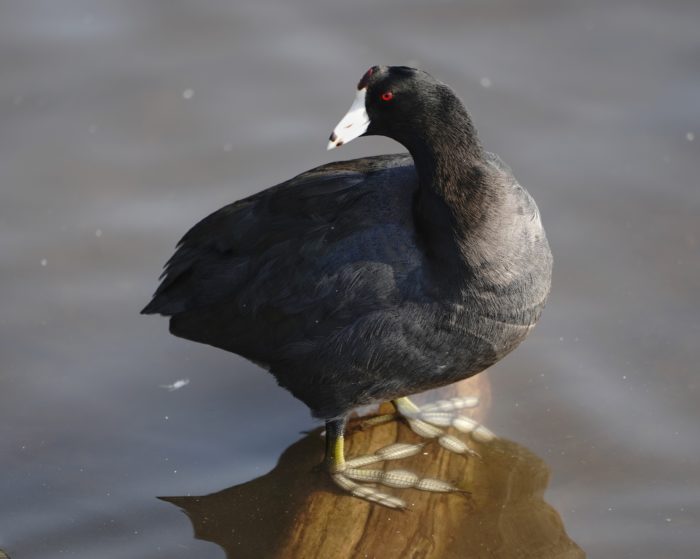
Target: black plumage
x=375 y=278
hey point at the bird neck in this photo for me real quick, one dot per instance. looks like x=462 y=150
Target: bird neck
x=448 y=154
x=449 y=162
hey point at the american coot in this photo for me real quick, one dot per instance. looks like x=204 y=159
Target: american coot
x=372 y=279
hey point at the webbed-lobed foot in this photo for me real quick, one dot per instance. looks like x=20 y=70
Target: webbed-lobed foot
x=361 y=482
x=429 y=420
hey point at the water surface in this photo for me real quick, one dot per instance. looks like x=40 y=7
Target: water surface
x=123 y=123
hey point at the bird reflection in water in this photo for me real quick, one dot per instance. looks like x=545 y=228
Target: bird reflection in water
x=296 y=511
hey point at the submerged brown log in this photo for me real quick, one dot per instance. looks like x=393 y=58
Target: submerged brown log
x=295 y=511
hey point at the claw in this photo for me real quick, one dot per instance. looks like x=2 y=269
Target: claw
x=453 y=444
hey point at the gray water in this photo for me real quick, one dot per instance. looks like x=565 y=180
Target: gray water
x=123 y=123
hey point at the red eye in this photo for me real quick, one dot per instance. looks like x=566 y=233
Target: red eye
x=387 y=96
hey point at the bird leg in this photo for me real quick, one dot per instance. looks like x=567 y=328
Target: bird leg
x=349 y=476
x=428 y=420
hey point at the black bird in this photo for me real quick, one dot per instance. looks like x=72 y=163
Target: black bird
x=372 y=279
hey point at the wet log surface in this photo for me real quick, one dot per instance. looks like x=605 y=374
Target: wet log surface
x=295 y=511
